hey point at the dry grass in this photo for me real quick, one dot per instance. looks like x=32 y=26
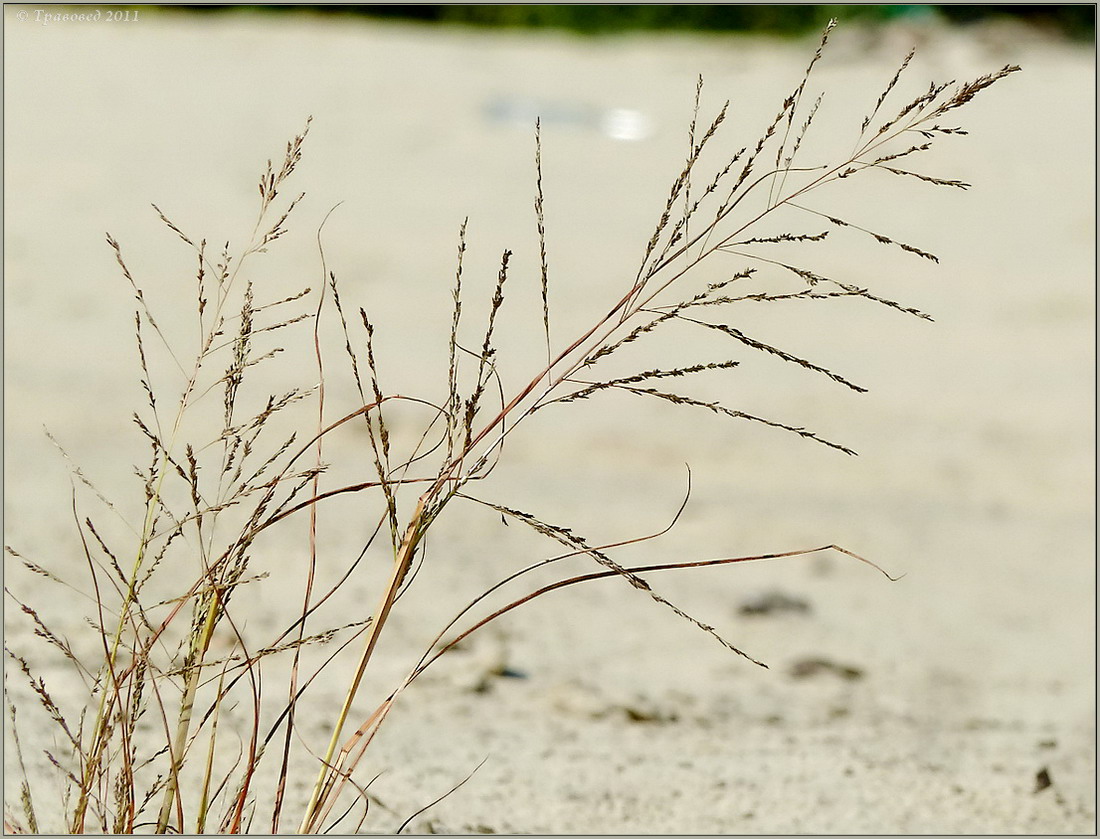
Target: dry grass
x=179 y=729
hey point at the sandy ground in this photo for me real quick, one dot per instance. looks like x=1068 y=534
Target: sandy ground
x=943 y=696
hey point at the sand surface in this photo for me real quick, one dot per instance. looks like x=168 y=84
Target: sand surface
x=943 y=696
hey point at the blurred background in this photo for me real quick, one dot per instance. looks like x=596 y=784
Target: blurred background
x=1074 y=20
x=976 y=440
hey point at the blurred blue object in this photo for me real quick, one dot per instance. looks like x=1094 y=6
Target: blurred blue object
x=622 y=124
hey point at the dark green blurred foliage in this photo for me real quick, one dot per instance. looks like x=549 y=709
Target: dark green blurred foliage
x=1074 y=20
x=602 y=19
x=1078 y=20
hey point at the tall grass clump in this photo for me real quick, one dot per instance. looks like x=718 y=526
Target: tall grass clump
x=179 y=728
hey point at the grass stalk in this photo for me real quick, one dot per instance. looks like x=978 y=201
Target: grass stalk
x=238 y=484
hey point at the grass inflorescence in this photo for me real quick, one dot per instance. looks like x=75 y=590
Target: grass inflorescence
x=178 y=731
